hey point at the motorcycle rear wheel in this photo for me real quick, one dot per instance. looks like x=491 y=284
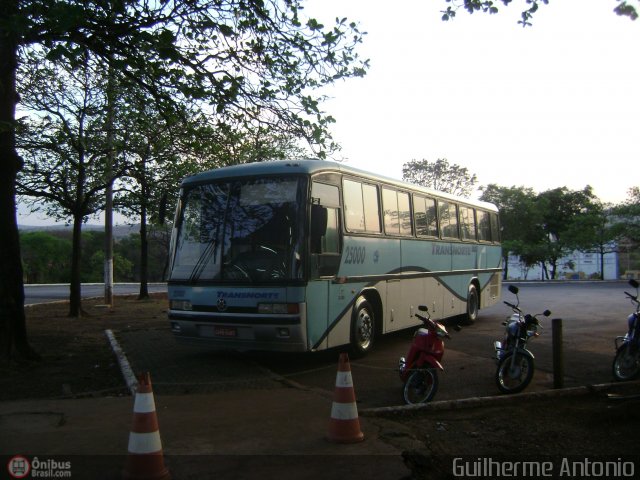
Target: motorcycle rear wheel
x=514 y=378
x=626 y=364
x=421 y=386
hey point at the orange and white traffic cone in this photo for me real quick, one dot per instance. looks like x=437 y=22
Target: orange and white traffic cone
x=145 y=459
x=344 y=425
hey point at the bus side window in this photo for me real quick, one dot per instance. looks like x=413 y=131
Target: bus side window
x=484 y=227
x=448 y=215
x=495 y=227
x=361 y=208
x=425 y=216
x=325 y=249
x=325 y=230
x=467 y=223
x=331 y=239
x=390 y=211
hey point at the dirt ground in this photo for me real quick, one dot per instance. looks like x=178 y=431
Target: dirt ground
x=76 y=358
x=77 y=362
x=559 y=431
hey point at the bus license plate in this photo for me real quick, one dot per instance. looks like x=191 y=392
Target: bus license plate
x=225 y=332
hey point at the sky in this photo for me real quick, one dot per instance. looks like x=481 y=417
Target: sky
x=556 y=104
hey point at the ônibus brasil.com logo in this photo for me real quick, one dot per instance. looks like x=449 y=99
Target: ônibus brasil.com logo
x=20 y=466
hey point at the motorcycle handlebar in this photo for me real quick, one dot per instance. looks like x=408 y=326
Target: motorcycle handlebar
x=430 y=323
x=514 y=307
x=632 y=297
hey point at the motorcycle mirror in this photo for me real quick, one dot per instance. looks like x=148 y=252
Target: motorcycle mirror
x=513 y=289
x=546 y=313
x=423 y=308
x=634 y=283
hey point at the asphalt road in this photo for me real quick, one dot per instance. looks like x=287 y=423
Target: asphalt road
x=56 y=292
x=592 y=314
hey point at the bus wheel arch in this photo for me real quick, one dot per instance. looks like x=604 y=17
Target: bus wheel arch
x=473 y=301
x=366 y=322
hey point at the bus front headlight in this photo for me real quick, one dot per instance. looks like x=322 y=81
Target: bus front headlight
x=180 y=305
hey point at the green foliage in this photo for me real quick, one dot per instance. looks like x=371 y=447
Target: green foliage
x=489 y=6
x=529 y=8
x=46 y=257
x=626 y=10
x=544 y=227
x=249 y=65
x=62 y=141
x=440 y=176
x=628 y=217
x=255 y=62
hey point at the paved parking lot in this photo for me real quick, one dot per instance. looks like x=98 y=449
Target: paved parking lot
x=593 y=314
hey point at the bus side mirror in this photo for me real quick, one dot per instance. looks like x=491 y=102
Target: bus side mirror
x=319 y=218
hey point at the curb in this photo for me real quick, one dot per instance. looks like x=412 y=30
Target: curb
x=474 y=402
x=125 y=367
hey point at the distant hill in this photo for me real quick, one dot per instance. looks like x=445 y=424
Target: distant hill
x=119 y=231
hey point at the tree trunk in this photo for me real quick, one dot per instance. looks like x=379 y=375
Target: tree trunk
x=144 y=245
x=75 y=302
x=108 y=207
x=108 y=245
x=13 y=330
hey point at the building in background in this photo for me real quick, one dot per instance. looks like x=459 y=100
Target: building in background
x=577 y=266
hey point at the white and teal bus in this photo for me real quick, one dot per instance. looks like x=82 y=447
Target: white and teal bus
x=309 y=255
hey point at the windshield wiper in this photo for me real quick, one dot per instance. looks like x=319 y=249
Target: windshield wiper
x=211 y=248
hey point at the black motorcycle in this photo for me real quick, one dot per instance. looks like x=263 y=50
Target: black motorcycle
x=515 y=362
x=626 y=364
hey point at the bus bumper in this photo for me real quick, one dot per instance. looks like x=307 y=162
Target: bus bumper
x=240 y=333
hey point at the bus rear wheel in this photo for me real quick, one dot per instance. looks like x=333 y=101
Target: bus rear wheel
x=473 y=304
x=363 y=327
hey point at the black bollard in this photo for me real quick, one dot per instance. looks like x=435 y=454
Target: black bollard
x=558 y=362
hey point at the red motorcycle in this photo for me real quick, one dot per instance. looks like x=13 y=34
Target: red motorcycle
x=419 y=371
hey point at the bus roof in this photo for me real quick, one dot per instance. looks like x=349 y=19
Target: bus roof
x=312 y=166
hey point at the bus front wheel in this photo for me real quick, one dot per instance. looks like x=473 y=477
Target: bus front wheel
x=363 y=327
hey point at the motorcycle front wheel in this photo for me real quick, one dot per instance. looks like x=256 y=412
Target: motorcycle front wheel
x=513 y=378
x=421 y=386
x=626 y=364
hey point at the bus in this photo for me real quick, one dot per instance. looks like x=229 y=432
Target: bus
x=309 y=255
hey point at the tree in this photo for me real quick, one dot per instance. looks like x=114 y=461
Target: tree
x=596 y=230
x=628 y=217
x=627 y=227
x=520 y=222
x=257 y=60
x=64 y=144
x=542 y=228
x=440 y=176
x=624 y=8
x=561 y=211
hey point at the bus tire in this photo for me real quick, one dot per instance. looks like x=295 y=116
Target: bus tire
x=363 y=327
x=473 y=304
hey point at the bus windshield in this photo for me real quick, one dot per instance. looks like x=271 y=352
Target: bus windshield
x=241 y=231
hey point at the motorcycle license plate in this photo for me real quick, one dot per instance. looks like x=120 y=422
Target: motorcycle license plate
x=225 y=332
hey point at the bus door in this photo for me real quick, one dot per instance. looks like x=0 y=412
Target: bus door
x=325 y=254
